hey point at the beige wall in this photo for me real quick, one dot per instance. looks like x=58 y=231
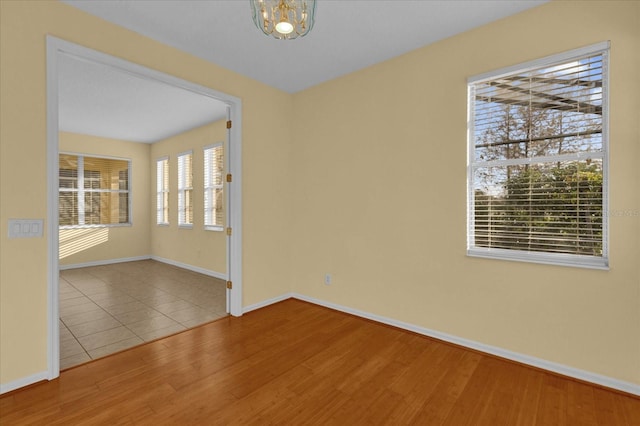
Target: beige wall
x=380 y=197
x=115 y=242
x=23 y=262
x=194 y=246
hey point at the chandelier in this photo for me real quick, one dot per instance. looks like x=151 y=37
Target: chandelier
x=284 y=19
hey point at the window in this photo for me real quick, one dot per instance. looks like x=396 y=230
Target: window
x=162 y=191
x=185 y=189
x=93 y=190
x=213 y=187
x=538 y=161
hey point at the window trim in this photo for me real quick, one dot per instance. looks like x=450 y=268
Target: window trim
x=81 y=212
x=181 y=224
x=159 y=191
x=217 y=228
x=562 y=259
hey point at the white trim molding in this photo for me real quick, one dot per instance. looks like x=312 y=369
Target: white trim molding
x=57 y=47
x=25 y=381
x=197 y=269
x=103 y=262
x=267 y=302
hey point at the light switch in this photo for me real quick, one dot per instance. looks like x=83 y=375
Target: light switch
x=25 y=228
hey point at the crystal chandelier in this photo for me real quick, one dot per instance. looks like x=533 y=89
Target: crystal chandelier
x=284 y=19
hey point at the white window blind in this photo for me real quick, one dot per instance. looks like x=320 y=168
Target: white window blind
x=93 y=190
x=537 y=161
x=214 y=187
x=185 y=189
x=162 y=191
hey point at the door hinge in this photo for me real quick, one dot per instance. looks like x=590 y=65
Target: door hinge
x=229 y=231
x=229 y=285
x=229 y=124
x=229 y=177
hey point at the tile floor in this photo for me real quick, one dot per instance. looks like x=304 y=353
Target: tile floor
x=105 y=309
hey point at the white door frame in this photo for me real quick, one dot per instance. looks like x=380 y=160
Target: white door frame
x=56 y=47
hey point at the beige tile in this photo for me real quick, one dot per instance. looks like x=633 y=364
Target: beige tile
x=104 y=338
x=150 y=324
x=72 y=294
x=176 y=305
x=82 y=299
x=65 y=334
x=88 y=281
x=83 y=317
x=78 y=309
x=75 y=275
x=196 y=322
x=129 y=293
x=210 y=303
x=64 y=285
x=137 y=290
x=73 y=360
x=115 y=347
x=97 y=289
x=66 y=339
x=136 y=316
x=125 y=307
x=158 y=298
x=162 y=332
x=191 y=314
x=69 y=348
x=80 y=330
x=106 y=300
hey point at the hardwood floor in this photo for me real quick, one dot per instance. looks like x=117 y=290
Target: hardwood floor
x=295 y=363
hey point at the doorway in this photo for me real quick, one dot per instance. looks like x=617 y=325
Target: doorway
x=57 y=49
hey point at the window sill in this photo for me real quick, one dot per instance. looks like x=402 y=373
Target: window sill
x=185 y=226
x=214 y=228
x=162 y=224
x=559 y=259
x=113 y=225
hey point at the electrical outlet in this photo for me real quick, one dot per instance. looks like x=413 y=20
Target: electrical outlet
x=327 y=279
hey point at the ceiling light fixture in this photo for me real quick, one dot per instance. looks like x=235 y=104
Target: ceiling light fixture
x=284 y=19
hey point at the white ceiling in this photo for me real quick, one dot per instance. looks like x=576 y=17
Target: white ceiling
x=98 y=100
x=348 y=35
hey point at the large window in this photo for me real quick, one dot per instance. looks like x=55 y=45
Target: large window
x=213 y=187
x=538 y=161
x=162 y=191
x=93 y=190
x=185 y=189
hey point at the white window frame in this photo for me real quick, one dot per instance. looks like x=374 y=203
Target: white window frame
x=80 y=190
x=594 y=262
x=209 y=188
x=162 y=169
x=183 y=189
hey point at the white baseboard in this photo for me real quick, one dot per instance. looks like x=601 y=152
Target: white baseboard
x=197 y=269
x=208 y=272
x=564 y=370
x=104 y=262
x=25 y=381
x=268 y=302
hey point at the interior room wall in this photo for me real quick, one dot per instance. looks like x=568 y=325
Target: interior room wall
x=193 y=246
x=23 y=178
x=114 y=242
x=380 y=197
x=374 y=193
